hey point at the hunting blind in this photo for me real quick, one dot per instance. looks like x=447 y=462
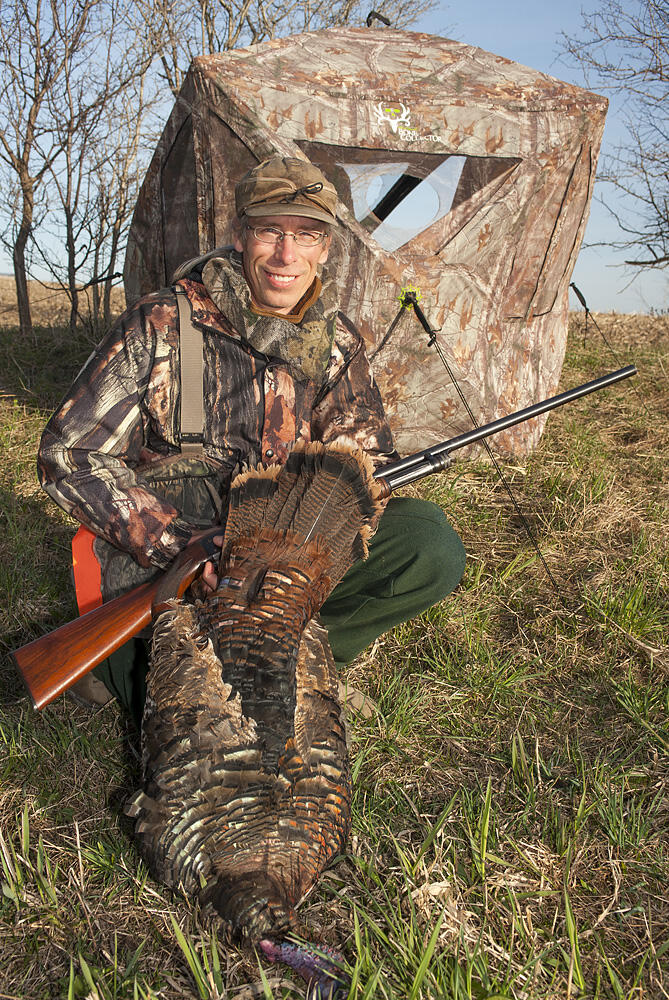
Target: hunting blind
x=460 y=174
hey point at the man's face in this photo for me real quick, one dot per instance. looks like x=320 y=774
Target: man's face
x=279 y=274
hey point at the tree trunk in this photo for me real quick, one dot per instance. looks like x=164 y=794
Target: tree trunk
x=113 y=252
x=96 y=298
x=19 y=258
x=71 y=271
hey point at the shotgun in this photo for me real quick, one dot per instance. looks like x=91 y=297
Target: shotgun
x=51 y=664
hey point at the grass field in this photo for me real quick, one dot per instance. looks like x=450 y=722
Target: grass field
x=511 y=810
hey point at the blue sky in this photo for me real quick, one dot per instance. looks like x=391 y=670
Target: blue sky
x=528 y=31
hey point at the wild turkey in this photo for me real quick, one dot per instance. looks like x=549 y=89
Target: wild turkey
x=247 y=788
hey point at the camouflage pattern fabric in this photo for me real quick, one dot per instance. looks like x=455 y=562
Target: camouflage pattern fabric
x=122 y=415
x=194 y=487
x=492 y=259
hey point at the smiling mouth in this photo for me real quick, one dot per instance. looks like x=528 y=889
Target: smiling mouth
x=280 y=279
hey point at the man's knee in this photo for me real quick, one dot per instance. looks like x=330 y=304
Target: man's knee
x=440 y=554
x=433 y=554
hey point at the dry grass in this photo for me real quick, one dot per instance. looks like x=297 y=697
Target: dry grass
x=511 y=799
x=49 y=305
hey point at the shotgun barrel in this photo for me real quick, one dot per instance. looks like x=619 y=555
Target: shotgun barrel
x=424 y=463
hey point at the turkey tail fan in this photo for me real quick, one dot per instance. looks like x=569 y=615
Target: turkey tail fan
x=323 y=491
x=250 y=493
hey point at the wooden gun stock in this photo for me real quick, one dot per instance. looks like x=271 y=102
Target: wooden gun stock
x=51 y=664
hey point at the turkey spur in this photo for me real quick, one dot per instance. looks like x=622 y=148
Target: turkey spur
x=246 y=781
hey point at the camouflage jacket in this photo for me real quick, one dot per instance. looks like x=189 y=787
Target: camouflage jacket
x=123 y=414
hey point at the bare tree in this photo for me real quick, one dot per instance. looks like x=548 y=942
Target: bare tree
x=178 y=30
x=33 y=34
x=97 y=116
x=72 y=124
x=119 y=173
x=624 y=48
x=63 y=67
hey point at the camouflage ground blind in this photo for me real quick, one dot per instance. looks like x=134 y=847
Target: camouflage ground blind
x=460 y=173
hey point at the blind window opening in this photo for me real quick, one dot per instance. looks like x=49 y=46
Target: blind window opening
x=394 y=205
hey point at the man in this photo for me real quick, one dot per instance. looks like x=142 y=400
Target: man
x=280 y=363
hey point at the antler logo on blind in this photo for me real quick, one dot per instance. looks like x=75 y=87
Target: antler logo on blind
x=393 y=116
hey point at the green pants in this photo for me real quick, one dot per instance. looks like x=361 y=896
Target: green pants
x=415 y=559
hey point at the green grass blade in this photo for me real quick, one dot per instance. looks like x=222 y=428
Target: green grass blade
x=192 y=959
x=421 y=972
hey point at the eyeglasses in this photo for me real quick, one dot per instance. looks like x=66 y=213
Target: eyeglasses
x=303 y=238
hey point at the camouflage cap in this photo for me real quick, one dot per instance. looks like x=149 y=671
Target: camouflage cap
x=284 y=185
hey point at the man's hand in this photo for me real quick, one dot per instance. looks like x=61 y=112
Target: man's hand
x=209 y=577
x=206 y=582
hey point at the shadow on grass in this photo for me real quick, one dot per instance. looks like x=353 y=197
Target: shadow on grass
x=39 y=370
x=34 y=567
